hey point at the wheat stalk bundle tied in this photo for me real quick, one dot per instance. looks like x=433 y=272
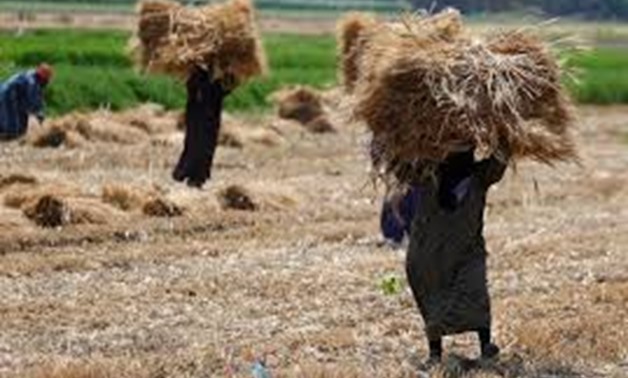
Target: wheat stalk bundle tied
x=173 y=39
x=428 y=88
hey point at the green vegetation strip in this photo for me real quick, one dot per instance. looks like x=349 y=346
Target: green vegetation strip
x=602 y=76
x=94 y=70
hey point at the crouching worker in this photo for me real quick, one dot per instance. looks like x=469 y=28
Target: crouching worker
x=202 y=125
x=446 y=261
x=21 y=96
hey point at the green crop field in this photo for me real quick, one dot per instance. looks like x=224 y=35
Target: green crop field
x=603 y=76
x=94 y=70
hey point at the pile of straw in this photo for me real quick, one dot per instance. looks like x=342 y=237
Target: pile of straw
x=89 y=210
x=18 y=197
x=304 y=105
x=236 y=197
x=55 y=204
x=161 y=207
x=320 y=125
x=429 y=88
x=301 y=103
x=76 y=129
x=51 y=211
x=148 y=200
x=16 y=179
x=152 y=119
x=106 y=129
x=173 y=39
x=55 y=135
x=126 y=197
x=352 y=34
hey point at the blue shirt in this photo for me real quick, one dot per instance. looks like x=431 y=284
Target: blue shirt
x=20 y=96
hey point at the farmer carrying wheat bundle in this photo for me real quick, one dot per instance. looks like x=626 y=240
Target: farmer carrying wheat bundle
x=213 y=48
x=448 y=111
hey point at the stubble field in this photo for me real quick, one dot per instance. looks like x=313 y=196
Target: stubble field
x=302 y=281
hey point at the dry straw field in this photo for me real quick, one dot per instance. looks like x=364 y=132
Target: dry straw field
x=279 y=259
x=110 y=269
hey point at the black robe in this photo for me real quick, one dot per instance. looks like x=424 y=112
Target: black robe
x=202 y=120
x=446 y=261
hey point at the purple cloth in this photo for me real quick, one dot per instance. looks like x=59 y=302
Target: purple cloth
x=396 y=218
x=461 y=190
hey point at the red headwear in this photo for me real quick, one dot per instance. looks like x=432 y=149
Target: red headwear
x=44 y=73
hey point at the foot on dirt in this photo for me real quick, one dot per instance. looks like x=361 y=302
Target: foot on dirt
x=490 y=351
x=178 y=176
x=197 y=184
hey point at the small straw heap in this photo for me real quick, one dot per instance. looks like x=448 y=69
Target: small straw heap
x=427 y=88
x=353 y=35
x=173 y=39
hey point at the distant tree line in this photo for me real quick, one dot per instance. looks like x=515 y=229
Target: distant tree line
x=584 y=9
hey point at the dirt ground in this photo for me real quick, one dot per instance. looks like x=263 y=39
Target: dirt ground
x=303 y=282
x=268 y=22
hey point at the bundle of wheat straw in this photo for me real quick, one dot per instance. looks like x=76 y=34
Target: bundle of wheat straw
x=173 y=39
x=429 y=88
x=353 y=34
x=75 y=129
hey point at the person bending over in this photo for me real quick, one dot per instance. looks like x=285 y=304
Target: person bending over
x=22 y=96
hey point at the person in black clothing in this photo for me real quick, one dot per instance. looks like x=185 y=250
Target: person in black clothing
x=202 y=119
x=446 y=261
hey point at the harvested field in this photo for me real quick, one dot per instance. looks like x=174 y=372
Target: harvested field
x=301 y=282
x=146 y=124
